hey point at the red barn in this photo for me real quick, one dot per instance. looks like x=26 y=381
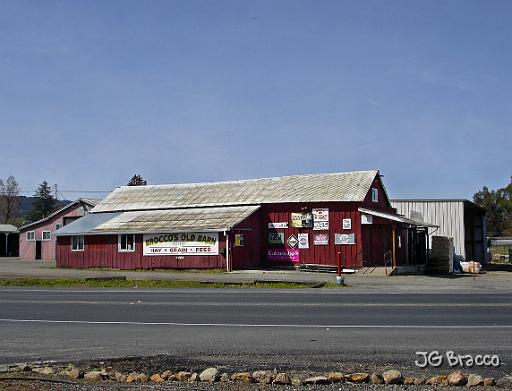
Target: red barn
x=294 y=220
x=37 y=240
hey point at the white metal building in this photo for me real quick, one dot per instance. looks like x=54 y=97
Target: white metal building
x=461 y=219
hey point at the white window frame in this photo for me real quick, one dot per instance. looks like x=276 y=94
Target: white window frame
x=78 y=247
x=58 y=226
x=121 y=250
x=49 y=233
x=31 y=236
x=375 y=194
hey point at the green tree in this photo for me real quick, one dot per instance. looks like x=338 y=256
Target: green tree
x=43 y=204
x=9 y=192
x=137 y=180
x=498 y=204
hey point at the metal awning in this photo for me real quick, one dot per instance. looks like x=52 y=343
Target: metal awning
x=215 y=219
x=85 y=224
x=395 y=217
x=8 y=229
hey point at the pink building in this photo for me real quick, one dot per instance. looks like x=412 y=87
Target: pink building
x=37 y=239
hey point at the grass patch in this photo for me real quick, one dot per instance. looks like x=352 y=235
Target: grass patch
x=81 y=283
x=103 y=269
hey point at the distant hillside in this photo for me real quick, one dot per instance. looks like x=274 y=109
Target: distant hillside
x=25 y=204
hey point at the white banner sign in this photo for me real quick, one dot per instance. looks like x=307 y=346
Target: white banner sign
x=344 y=239
x=320 y=239
x=277 y=225
x=303 y=240
x=191 y=243
x=347 y=223
x=320 y=225
x=320 y=219
x=321 y=214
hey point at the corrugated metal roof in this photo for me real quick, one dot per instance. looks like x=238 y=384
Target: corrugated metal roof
x=8 y=228
x=463 y=200
x=160 y=221
x=89 y=201
x=396 y=217
x=85 y=224
x=345 y=187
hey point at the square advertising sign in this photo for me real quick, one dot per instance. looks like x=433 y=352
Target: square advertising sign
x=320 y=219
x=303 y=241
x=344 y=239
x=302 y=220
x=320 y=239
x=276 y=237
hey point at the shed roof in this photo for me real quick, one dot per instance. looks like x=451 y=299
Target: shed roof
x=438 y=200
x=89 y=201
x=345 y=186
x=160 y=221
x=397 y=217
x=8 y=228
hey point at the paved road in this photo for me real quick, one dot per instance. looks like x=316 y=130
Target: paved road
x=494 y=282
x=282 y=328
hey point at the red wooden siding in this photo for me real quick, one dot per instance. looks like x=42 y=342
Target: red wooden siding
x=371 y=241
x=102 y=251
x=383 y=203
x=351 y=254
x=247 y=256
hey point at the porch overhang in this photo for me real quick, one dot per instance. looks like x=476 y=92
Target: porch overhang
x=398 y=218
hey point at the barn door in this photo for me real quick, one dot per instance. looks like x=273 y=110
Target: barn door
x=376 y=242
x=38 y=249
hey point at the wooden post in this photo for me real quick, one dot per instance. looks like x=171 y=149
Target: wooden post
x=393 y=250
x=228 y=266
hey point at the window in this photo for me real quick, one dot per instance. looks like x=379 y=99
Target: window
x=375 y=195
x=77 y=243
x=58 y=226
x=31 y=235
x=47 y=235
x=126 y=242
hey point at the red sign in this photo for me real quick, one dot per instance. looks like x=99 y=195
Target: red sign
x=283 y=255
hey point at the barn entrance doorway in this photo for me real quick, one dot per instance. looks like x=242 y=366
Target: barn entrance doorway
x=38 y=249
x=377 y=242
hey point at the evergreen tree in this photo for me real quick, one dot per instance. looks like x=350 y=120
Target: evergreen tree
x=137 y=180
x=44 y=203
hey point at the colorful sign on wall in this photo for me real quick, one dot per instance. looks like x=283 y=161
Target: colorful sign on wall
x=276 y=237
x=344 y=238
x=283 y=255
x=239 y=240
x=302 y=220
x=292 y=241
x=320 y=219
x=191 y=243
x=320 y=239
x=303 y=240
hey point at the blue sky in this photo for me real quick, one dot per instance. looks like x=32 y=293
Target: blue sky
x=92 y=92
